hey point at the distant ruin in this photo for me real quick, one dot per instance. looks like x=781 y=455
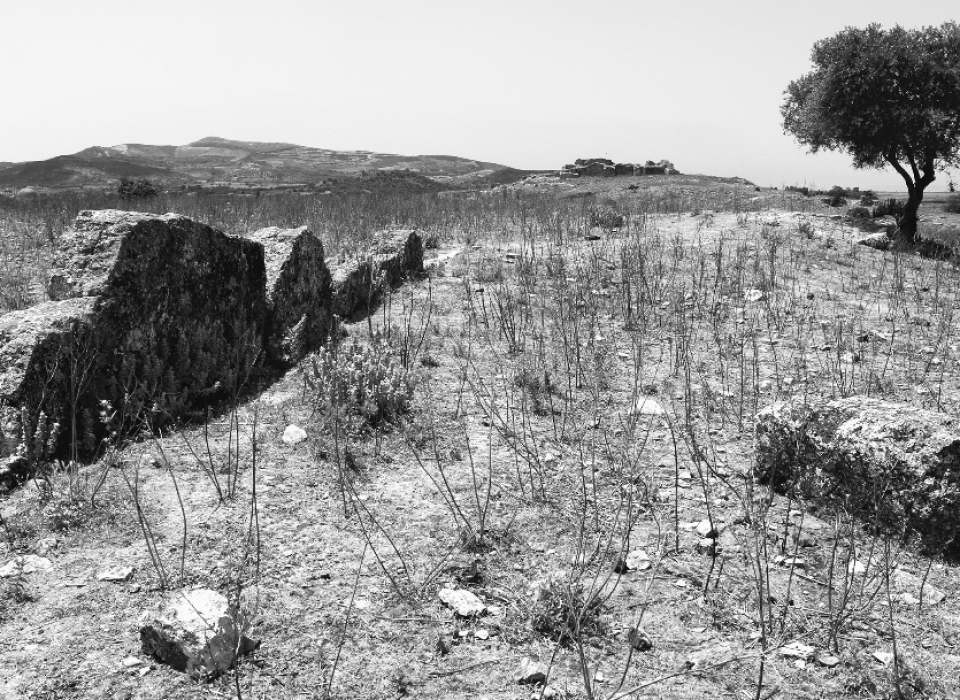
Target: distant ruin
x=604 y=167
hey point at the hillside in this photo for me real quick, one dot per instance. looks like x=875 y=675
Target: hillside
x=216 y=160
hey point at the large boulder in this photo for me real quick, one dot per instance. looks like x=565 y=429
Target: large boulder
x=358 y=284
x=895 y=466
x=197 y=632
x=298 y=293
x=150 y=313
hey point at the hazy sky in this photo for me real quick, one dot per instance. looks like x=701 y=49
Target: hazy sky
x=527 y=84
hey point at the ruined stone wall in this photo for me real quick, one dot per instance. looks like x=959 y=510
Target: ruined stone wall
x=162 y=317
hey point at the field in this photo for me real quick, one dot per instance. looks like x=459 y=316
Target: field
x=571 y=440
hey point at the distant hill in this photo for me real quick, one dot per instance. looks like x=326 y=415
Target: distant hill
x=217 y=161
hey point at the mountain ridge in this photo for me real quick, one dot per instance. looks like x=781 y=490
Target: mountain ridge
x=217 y=160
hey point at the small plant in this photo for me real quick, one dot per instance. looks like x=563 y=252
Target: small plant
x=13 y=593
x=563 y=613
x=63 y=511
x=365 y=380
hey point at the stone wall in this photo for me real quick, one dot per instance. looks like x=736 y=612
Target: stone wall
x=358 y=284
x=163 y=317
x=298 y=293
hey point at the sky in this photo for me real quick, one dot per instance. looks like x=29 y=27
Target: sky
x=527 y=83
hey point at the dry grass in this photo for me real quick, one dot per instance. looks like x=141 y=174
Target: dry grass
x=521 y=472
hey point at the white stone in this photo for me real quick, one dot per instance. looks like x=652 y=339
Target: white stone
x=293 y=435
x=884 y=657
x=116 y=574
x=197 y=632
x=705 y=527
x=647 y=406
x=797 y=650
x=637 y=560
x=463 y=602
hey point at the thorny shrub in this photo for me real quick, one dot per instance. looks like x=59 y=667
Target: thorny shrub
x=361 y=380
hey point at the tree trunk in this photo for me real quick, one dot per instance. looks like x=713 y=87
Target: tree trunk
x=915 y=187
x=908 y=222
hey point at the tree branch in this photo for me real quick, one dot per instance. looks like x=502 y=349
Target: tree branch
x=891 y=159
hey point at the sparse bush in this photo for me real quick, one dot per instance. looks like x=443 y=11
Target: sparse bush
x=540 y=387
x=606 y=218
x=953 y=204
x=562 y=612
x=365 y=380
x=859 y=213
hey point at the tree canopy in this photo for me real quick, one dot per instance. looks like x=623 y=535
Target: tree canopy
x=137 y=188
x=885 y=97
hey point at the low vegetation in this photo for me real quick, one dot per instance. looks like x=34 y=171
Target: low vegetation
x=559 y=422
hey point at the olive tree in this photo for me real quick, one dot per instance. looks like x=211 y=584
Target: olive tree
x=885 y=97
x=137 y=188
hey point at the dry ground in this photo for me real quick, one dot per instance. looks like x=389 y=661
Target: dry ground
x=521 y=462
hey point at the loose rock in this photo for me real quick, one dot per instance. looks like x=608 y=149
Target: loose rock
x=891 y=464
x=116 y=574
x=293 y=434
x=637 y=560
x=463 y=602
x=531 y=673
x=197 y=632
